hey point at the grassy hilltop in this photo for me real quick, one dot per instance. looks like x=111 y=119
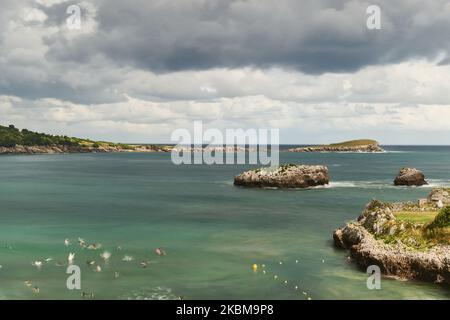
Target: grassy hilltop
x=353 y=143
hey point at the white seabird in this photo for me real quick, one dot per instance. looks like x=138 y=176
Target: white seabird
x=71 y=257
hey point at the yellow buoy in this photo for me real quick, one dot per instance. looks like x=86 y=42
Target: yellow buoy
x=255 y=267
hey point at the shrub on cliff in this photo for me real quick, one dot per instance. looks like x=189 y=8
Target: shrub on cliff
x=442 y=220
x=11 y=136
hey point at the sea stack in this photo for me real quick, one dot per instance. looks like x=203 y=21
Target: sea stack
x=410 y=177
x=285 y=176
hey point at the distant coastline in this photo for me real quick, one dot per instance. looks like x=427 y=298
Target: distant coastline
x=362 y=145
x=15 y=141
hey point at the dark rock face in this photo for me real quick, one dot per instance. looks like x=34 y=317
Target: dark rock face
x=287 y=176
x=410 y=177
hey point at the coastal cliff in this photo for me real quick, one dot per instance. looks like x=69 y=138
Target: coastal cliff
x=15 y=141
x=347 y=146
x=406 y=240
x=286 y=176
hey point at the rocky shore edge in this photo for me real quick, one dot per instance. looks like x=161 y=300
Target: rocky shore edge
x=55 y=149
x=363 y=148
x=365 y=238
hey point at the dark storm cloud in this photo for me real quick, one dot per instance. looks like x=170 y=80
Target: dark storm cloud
x=311 y=36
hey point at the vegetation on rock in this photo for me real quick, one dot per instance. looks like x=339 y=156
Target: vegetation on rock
x=13 y=140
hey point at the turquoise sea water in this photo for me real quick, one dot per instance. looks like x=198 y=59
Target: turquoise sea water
x=211 y=230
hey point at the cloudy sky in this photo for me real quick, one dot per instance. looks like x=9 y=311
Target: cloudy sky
x=136 y=70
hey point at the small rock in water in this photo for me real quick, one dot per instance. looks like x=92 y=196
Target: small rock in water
x=36 y=290
x=410 y=177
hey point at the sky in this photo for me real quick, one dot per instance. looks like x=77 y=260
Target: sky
x=137 y=70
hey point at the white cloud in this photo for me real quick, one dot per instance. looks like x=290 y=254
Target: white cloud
x=143 y=121
x=94 y=95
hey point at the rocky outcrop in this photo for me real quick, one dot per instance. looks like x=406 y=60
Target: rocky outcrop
x=286 y=176
x=410 y=177
x=364 y=238
x=330 y=148
x=440 y=197
x=77 y=149
x=394 y=259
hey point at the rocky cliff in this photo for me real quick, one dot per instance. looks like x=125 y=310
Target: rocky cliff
x=400 y=247
x=286 y=176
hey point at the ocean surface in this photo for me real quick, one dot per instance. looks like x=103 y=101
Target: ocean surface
x=212 y=231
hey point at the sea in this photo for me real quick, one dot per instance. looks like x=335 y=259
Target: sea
x=212 y=232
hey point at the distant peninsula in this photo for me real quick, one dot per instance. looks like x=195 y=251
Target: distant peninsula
x=15 y=141
x=362 y=145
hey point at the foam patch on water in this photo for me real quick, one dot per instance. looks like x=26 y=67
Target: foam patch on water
x=373 y=184
x=147 y=293
x=432 y=183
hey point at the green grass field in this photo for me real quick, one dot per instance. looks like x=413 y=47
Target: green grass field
x=416 y=217
x=353 y=143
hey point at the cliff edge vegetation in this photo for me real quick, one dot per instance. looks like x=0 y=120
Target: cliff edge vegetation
x=406 y=240
x=16 y=141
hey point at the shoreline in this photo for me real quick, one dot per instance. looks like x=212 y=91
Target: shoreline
x=64 y=149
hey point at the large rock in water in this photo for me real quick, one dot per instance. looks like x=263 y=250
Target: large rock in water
x=286 y=176
x=410 y=177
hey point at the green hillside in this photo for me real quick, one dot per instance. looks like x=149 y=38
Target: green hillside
x=11 y=136
x=354 y=143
